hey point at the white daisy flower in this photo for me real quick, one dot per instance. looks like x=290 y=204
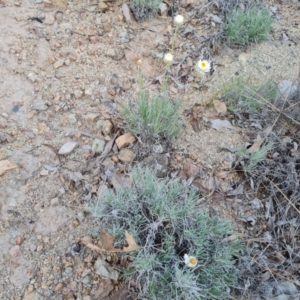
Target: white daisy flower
x=168 y=59
x=190 y=261
x=203 y=66
x=178 y=20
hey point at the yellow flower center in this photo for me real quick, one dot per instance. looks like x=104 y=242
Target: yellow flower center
x=203 y=64
x=193 y=260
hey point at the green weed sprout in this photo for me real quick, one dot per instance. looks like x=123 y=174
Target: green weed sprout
x=248 y=26
x=252 y=159
x=185 y=253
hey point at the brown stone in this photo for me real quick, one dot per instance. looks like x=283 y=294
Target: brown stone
x=94 y=39
x=125 y=140
x=39 y=248
x=102 y=6
x=3 y=154
x=107 y=127
x=104 y=288
x=91 y=117
x=58 y=287
x=114 y=158
x=14 y=251
x=51 y=59
x=62 y=4
x=190 y=169
x=126 y=155
x=6 y=165
x=19 y=240
x=58 y=64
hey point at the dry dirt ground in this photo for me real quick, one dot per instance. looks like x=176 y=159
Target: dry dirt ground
x=59 y=81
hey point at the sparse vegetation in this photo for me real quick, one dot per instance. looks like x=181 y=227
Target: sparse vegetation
x=154 y=117
x=247 y=97
x=251 y=25
x=145 y=8
x=250 y=160
x=163 y=218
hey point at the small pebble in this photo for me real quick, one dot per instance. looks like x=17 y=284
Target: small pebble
x=32 y=247
x=67 y=148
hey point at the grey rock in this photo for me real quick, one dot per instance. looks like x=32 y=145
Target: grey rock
x=47 y=293
x=163 y=8
x=86 y=279
x=32 y=76
x=103 y=269
x=86 y=272
x=123 y=34
x=12 y=202
x=78 y=94
x=67 y=148
x=159 y=162
x=32 y=247
x=72 y=119
x=80 y=216
x=39 y=104
x=288 y=99
x=98 y=146
x=99 y=123
x=31 y=295
x=54 y=201
x=111 y=53
x=88 y=92
x=287 y=90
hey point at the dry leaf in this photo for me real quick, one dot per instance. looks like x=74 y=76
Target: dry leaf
x=86 y=240
x=256 y=145
x=196 y=113
x=222 y=174
x=132 y=245
x=106 y=243
x=220 y=107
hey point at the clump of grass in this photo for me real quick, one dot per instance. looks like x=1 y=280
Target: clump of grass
x=250 y=160
x=246 y=97
x=163 y=219
x=144 y=8
x=251 y=25
x=152 y=118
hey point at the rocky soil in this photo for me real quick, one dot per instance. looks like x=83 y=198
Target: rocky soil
x=65 y=70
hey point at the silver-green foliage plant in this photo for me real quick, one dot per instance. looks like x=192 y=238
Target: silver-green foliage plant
x=250 y=160
x=144 y=8
x=163 y=218
x=242 y=96
x=152 y=117
x=251 y=25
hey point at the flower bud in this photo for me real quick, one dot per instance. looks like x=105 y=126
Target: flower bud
x=168 y=59
x=178 y=20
